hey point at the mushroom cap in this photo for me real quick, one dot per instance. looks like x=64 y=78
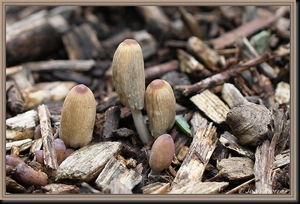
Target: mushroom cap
x=160 y=104
x=78 y=116
x=162 y=153
x=128 y=74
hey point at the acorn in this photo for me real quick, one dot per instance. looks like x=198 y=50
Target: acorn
x=160 y=104
x=78 y=117
x=129 y=81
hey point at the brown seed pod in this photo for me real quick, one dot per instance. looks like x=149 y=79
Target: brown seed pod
x=28 y=175
x=250 y=123
x=78 y=117
x=162 y=153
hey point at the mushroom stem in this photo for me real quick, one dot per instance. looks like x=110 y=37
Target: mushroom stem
x=152 y=172
x=140 y=126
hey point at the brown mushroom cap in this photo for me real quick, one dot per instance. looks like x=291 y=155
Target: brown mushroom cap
x=162 y=153
x=78 y=117
x=128 y=74
x=160 y=104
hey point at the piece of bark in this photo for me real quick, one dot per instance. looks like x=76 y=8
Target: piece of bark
x=116 y=187
x=112 y=117
x=156 y=20
x=22 y=13
x=114 y=169
x=45 y=92
x=200 y=151
x=156 y=188
x=36 y=145
x=13 y=187
x=282 y=92
x=282 y=159
x=40 y=33
x=190 y=22
x=242 y=188
x=51 y=65
x=211 y=105
x=90 y=188
x=113 y=41
x=14 y=99
x=234 y=169
x=232 y=96
x=49 y=152
x=281 y=129
x=263 y=160
x=209 y=57
x=21 y=75
x=19 y=143
x=189 y=65
x=122 y=132
x=147 y=43
x=187 y=186
x=73 y=76
x=249 y=52
x=250 y=123
x=230 y=141
x=159 y=70
x=21 y=126
x=222 y=77
x=85 y=164
x=60 y=188
x=82 y=43
x=268 y=93
x=247 y=29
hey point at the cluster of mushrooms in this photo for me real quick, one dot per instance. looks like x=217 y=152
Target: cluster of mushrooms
x=129 y=82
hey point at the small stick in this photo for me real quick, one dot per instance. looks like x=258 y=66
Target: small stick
x=47 y=136
x=220 y=78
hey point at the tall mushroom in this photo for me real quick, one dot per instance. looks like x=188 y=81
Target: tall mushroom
x=160 y=104
x=78 y=116
x=129 y=81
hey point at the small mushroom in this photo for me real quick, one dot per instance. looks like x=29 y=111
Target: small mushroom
x=78 y=117
x=161 y=107
x=129 y=81
x=162 y=153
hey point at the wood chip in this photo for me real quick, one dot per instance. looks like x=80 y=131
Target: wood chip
x=200 y=151
x=18 y=143
x=49 y=152
x=235 y=169
x=59 y=188
x=156 y=188
x=86 y=163
x=282 y=92
x=211 y=105
x=116 y=187
x=232 y=96
x=230 y=141
x=188 y=186
x=21 y=126
x=115 y=169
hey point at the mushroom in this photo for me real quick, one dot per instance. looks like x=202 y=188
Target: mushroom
x=78 y=117
x=129 y=81
x=160 y=104
x=162 y=153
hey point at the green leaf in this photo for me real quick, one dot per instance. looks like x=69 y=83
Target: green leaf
x=183 y=125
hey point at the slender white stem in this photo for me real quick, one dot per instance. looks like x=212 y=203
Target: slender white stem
x=152 y=172
x=141 y=126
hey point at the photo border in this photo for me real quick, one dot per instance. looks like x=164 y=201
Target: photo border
x=165 y=197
